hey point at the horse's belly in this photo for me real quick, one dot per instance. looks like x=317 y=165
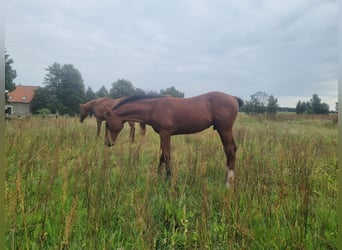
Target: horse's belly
x=192 y=128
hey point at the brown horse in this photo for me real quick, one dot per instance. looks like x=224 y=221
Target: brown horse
x=174 y=116
x=98 y=107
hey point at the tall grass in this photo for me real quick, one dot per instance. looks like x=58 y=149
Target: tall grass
x=66 y=190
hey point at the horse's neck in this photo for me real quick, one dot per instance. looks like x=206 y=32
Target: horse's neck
x=89 y=106
x=136 y=112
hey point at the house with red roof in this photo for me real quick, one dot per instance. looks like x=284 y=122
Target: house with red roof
x=19 y=100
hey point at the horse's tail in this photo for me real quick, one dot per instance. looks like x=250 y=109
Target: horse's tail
x=240 y=101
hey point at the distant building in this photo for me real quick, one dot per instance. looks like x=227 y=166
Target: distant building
x=19 y=100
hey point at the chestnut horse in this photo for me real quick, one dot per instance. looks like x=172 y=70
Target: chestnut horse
x=174 y=116
x=97 y=107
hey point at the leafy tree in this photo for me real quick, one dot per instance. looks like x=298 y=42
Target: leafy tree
x=44 y=99
x=56 y=106
x=89 y=95
x=121 y=88
x=40 y=100
x=66 y=88
x=44 y=111
x=314 y=106
x=257 y=104
x=317 y=106
x=172 y=91
x=260 y=97
x=139 y=91
x=301 y=107
x=272 y=106
x=102 y=92
x=10 y=75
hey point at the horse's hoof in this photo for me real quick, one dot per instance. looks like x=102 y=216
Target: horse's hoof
x=230 y=179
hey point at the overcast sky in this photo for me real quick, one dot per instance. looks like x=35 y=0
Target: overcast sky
x=285 y=48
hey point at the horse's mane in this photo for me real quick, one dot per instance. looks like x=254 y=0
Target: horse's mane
x=137 y=98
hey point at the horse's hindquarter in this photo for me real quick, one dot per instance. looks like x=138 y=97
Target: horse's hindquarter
x=192 y=115
x=224 y=109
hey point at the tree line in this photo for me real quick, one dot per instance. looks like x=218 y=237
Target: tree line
x=123 y=87
x=261 y=103
x=314 y=106
x=64 y=90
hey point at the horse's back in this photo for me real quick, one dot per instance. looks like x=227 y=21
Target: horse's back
x=211 y=102
x=216 y=101
x=222 y=99
x=191 y=115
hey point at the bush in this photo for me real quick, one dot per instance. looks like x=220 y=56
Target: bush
x=44 y=112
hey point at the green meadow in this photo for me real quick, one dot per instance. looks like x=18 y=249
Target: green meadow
x=66 y=190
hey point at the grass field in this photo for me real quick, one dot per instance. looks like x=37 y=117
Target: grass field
x=66 y=190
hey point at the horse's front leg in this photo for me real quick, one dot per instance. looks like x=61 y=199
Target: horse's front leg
x=142 y=129
x=108 y=142
x=98 y=121
x=165 y=155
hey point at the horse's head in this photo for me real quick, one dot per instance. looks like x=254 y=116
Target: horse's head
x=83 y=112
x=113 y=124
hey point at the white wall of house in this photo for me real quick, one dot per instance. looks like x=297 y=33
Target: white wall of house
x=20 y=109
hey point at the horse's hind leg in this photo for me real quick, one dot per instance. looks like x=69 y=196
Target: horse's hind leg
x=230 y=149
x=164 y=159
